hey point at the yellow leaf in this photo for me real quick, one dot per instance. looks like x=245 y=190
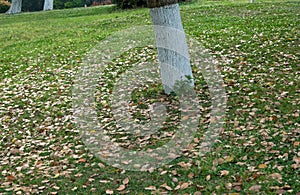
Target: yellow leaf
x=229 y=158
x=262 y=166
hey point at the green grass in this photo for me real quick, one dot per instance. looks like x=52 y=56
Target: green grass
x=257 y=46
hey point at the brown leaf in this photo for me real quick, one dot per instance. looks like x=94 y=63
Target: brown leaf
x=82 y=160
x=255 y=188
x=224 y=172
x=191 y=175
x=126 y=181
x=296 y=159
x=276 y=176
x=15 y=151
x=11 y=178
x=166 y=186
x=121 y=187
x=184 y=164
x=184 y=186
x=262 y=166
x=237 y=188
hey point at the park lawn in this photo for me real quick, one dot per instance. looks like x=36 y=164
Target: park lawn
x=257 y=46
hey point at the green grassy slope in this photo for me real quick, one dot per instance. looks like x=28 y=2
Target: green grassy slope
x=257 y=46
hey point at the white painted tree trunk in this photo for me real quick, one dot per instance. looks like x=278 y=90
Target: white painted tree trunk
x=251 y=1
x=48 y=5
x=172 y=47
x=16 y=6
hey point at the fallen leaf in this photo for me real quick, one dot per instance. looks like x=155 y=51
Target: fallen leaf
x=262 y=166
x=191 y=175
x=184 y=186
x=255 y=188
x=82 y=160
x=207 y=178
x=224 y=172
x=101 y=165
x=109 y=192
x=125 y=181
x=150 y=188
x=276 y=176
x=11 y=178
x=15 y=151
x=166 y=186
x=121 y=187
x=229 y=158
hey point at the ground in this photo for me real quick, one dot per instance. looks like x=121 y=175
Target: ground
x=257 y=49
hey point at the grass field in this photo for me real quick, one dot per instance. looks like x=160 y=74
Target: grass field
x=257 y=46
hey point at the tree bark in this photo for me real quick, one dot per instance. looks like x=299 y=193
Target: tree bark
x=171 y=44
x=16 y=6
x=48 y=5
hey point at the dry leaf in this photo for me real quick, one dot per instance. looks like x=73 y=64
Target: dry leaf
x=150 y=188
x=184 y=186
x=276 y=176
x=262 y=166
x=255 y=188
x=229 y=158
x=82 y=160
x=166 y=186
x=109 y=192
x=11 y=178
x=191 y=175
x=101 y=165
x=121 y=187
x=126 y=181
x=207 y=177
x=224 y=172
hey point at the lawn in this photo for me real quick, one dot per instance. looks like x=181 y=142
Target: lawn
x=257 y=49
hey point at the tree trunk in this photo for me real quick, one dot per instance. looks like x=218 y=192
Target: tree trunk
x=171 y=44
x=48 y=5
x=15 y=7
